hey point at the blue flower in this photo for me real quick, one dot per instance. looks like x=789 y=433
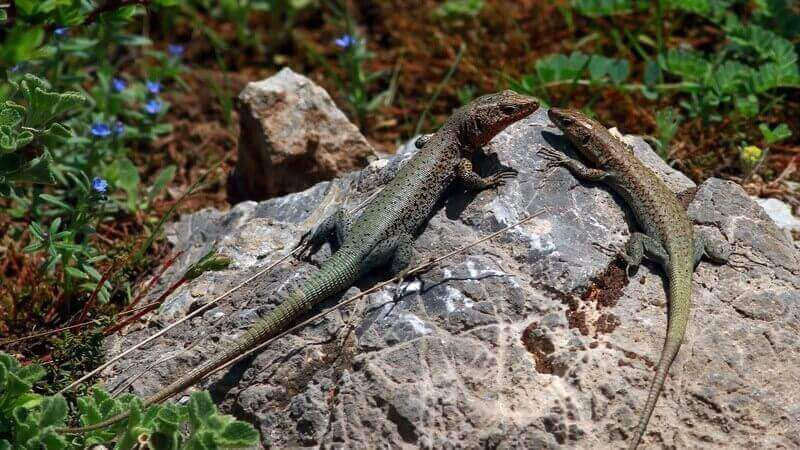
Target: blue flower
x=175 y=50
x=154 y=87
x=100 y=130
x=119 y=128
x=99 y=185
x=118 y=84
x=153 y=106
x=346 y=41
x=15 y=68
x=61 y=31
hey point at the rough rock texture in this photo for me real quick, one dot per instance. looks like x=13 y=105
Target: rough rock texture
x=292 y=136
x=535 y=340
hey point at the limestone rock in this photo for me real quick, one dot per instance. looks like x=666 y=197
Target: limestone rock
x=292 y=136
x=533 y=340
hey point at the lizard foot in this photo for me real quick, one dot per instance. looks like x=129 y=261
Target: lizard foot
x=553 y=157
x=499 y=178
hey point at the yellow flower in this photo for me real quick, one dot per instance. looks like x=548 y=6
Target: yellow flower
x=751 y=155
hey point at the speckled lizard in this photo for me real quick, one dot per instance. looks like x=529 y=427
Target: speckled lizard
x=668 y=237
x=383 y=232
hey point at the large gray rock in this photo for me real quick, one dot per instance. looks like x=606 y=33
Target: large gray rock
x=292 y=136
x=535 y=340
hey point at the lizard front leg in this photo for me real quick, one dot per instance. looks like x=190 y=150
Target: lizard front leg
x=472 y=180
x=576 y=167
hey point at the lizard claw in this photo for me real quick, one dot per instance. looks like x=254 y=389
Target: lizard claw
x=499 y=178
x=552 y=157
x=304 y=246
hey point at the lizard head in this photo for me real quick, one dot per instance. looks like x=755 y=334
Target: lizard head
x=486 y=116
x=582 y=132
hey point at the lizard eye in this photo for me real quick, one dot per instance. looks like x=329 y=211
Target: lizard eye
x=508 y=109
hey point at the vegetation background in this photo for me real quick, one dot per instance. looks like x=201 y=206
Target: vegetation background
x=117 y=115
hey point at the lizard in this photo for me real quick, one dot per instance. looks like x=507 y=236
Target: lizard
x=382 y=233
x=668 y=236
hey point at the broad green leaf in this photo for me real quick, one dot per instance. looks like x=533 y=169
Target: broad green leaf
x=21 y=44
x=779 y=133
x=746 y=105
x=53 y=411
x=28 y=401
x=238 y=434
x=31 y=373
x=688 y=64
x=125 y=175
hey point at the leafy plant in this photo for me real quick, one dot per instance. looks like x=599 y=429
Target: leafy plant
x=774 y=135
x=33 y=421
x=741 y=78
x=358 y=80
x=667 y=121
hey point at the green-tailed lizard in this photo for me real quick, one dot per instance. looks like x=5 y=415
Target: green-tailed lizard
x=667 y=235
x=383 y=233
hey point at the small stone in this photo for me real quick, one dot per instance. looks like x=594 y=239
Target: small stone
x=292 y=136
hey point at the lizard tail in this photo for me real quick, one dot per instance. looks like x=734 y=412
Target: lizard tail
x=262 y=330
x=679 y=307
x=338 y=272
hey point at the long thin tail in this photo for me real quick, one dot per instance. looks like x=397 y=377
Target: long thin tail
x=336 y=274
x=680 y=284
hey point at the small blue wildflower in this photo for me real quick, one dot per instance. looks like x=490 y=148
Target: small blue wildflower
x=346 y=41
x=100 y=130
x=118 y=84
x=15 y=68
x=154 y=87
x=119 y=128
x=61 y=31
x=175 y=50
x=99 y=185
x=153 y=106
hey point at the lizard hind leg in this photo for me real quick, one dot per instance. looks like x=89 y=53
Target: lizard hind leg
x=336 y=226
x=641 y=246
x=716 y=250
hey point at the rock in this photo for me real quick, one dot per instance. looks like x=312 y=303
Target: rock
x=533 y=340
x=780 y=212
x=292 y=136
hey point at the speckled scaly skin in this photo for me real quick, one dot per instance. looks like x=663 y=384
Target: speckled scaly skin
x=383 y=232
x=668 y=236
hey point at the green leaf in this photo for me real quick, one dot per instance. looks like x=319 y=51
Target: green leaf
x=76 y=273
x=21 y=44
x=43 y=104
x=51 y=440
x=747 y=105
x=11 y=114
x=779 y=133
x=124 y=174
x=55 y=201
x=161 y=181
x=559 y=67
x=688 y=64
x=54 y=411
x=238 y=434
x=201 y=408
x=28 y=401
